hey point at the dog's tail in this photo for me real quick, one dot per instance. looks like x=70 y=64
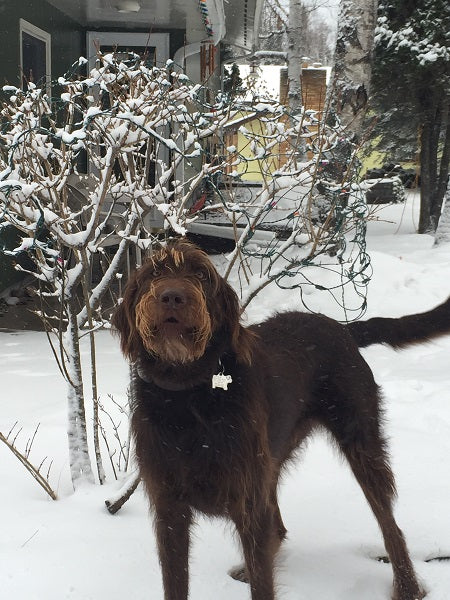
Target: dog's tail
x=403 y=331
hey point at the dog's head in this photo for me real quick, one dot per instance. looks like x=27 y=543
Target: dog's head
x=174 y=304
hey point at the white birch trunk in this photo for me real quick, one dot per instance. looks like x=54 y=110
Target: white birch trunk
x=295 y=53
x=443 y=228
x=80 y=462
x=350 y=84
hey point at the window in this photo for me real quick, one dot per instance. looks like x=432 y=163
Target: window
x=154 y=46
x=35 y=56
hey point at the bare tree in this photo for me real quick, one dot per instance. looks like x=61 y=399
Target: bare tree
x=138 y=129
x=134 y=126
x=317 y=34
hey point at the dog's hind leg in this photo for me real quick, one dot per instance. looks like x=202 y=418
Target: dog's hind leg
x=375 y=478
x=356 y=428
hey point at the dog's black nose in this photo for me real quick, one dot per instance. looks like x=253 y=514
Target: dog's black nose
x=173 y=298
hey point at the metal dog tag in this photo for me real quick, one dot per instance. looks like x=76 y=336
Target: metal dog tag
x=221 y=381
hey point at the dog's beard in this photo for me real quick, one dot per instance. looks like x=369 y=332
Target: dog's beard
x=180 y=338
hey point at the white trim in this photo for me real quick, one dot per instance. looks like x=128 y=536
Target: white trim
x=43 y=36
x=184 y=52
x=160 y=41
x=259 y=236
x=217 y=17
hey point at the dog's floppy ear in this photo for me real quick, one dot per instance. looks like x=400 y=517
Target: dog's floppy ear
x=242 y=340
x=124 y=320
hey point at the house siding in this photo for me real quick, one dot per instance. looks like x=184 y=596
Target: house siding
x=67 y=36
x=68 y=43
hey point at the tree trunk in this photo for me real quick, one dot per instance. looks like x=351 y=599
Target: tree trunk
x=295 y=53
x=434 y=159
x=350 y=86
x=443 y=228
x=425 y=180
x=443 y=188
x=94 y=386
x=80 y=462
x=445 y=156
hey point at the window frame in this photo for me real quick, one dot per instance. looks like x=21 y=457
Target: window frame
x=42 y=36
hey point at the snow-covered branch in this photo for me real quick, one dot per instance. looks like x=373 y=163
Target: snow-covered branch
x=133 y=154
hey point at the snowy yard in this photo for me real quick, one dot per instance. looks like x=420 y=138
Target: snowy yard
x=73 y=549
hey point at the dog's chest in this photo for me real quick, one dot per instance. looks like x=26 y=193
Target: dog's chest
x=195 y=442
x=194 y=422
x=201 y=427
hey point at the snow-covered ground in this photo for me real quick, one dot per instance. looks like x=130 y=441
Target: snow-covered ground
x=73 y=549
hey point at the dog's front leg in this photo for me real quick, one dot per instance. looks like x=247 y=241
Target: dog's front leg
x=259 y=546
x=172 y=524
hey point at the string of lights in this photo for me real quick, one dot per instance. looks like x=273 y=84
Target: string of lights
x=154 y=120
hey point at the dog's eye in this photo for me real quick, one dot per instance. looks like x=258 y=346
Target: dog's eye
x=201 y=275
x=156 y=272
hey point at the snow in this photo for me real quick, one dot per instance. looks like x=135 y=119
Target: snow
x=410 y=38
x=73 y=549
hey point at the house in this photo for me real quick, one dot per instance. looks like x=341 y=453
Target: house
x=314 y=90
x=41 y=39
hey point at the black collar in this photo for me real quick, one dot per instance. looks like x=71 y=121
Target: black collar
x=166 y=382
x=183 y=377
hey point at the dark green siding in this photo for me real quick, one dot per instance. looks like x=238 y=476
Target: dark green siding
x=68 y=37
x=68 y=43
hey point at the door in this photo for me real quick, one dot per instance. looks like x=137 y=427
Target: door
x=154 y=47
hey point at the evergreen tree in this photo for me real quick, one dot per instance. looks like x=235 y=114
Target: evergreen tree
x=232 y=82
x=412 y=89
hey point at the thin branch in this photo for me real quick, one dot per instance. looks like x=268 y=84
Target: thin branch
x=116 y=502
x=34 y=472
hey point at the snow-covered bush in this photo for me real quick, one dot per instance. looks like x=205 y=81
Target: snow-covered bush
x=122 y=159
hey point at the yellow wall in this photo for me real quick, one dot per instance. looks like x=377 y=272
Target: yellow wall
x=253 y=169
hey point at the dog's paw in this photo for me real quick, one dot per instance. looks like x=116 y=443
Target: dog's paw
x=239 y=573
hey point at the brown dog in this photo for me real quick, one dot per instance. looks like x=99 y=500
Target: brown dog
x=219 y=409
